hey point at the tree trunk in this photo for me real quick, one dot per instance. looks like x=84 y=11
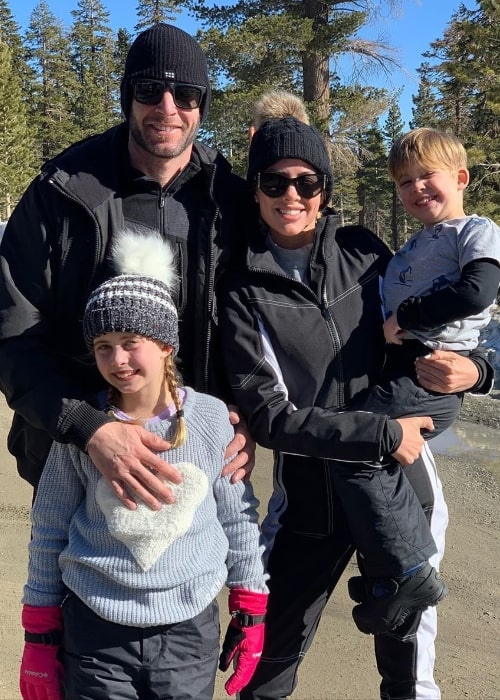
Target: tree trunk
x=316 y=66
x=394 y=218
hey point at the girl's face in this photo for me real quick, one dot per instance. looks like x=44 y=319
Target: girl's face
x=291 y=216
x=432 y=196
x=132 y=364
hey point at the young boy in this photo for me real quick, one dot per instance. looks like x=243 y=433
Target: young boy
x=439 y=287
x=118 y=602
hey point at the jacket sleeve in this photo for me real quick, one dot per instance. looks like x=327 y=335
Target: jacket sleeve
x=273 y=420
x=486 y=371
x=37 y=382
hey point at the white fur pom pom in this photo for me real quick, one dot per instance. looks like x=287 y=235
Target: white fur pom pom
x=144 y=253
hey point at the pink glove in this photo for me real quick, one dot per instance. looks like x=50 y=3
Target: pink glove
x=244 y=637
x=41 y=673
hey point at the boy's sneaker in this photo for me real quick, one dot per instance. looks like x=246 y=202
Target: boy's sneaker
x=394 y=599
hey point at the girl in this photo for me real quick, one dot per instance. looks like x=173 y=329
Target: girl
x=118 y=602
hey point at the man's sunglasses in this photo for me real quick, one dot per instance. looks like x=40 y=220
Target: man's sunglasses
x=275 y=185
x=186 y=96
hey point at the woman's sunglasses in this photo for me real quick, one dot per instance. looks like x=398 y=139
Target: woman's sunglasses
x=275 y=185
x=185 y=95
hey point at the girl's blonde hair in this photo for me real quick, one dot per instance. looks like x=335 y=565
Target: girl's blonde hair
x=173 y=383
x=429 y=148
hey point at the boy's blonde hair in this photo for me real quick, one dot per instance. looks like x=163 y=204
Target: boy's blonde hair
x=429 y=148
x=277 y=104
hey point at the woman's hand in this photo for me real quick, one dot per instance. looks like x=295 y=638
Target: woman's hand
x=446 y=372
x=412 y=442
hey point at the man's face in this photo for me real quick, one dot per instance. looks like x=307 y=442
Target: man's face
x=163 y=130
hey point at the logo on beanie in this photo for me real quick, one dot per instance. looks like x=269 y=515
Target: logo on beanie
x=169 y=75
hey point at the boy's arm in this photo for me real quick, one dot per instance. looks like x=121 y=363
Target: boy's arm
x=476 y=289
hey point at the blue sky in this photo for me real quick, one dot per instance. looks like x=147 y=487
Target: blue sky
x=419 y=22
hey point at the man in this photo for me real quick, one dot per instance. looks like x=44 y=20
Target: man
x=148 y=171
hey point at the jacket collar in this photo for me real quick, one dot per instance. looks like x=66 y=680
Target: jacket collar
x=82 y=172
x=259 y=257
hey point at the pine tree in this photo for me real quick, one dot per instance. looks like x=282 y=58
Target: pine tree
x=393 y=128
x=374 y=187
x=16 y=145
x=121 y=47
x=54 y=87
x=11 y=34
x=424 y=102
x=92 y=46
x=465 y=83
x=290 y=44
x=151 y=12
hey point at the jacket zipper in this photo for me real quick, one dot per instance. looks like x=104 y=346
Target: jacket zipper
x=322 y=304
x=209 y=285
x=334 y=334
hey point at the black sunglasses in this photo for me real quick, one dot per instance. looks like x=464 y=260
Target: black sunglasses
x=186 y=96
x=275 y=185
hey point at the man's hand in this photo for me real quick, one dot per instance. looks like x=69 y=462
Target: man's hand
x=125 y=456
x=242 y=445
x=412 y=442
x=446 y=372
x=392 y=332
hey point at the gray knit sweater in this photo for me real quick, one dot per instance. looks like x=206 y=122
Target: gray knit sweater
x=158 y=567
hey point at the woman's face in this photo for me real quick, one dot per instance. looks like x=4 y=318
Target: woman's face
x=291 y=216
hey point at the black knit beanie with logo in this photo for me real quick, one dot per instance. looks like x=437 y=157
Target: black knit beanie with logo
x=165 y=52
x=283 y=138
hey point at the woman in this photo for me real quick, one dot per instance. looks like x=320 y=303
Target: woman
x=303 y=335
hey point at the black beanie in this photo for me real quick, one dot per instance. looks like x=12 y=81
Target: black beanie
x=165 y=52
x=283 y=138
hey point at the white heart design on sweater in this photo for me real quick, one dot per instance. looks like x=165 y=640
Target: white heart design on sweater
x=145 y=532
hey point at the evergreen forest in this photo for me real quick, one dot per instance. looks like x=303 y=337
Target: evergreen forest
x=60 y=84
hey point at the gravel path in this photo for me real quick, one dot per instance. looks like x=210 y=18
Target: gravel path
x=484 y=410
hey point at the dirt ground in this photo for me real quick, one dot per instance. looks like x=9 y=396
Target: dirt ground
x=340 y=665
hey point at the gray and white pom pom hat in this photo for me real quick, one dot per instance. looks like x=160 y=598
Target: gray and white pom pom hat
x=138 y=300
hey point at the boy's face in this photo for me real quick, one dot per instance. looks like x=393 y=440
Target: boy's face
x=131 y=363
x=432 y=196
